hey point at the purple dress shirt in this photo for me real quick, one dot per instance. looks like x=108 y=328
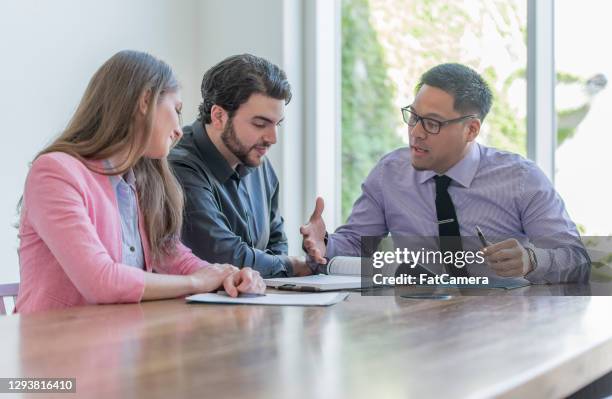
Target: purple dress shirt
x=506 y=195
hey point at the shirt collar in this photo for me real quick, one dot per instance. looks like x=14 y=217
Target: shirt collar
x=462 y=172
x=129 y=177
x=213 y=158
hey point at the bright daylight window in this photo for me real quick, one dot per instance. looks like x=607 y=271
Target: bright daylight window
x=388 y=44
x=584 y=99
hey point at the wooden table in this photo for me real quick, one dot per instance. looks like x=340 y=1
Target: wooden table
x=511 y=346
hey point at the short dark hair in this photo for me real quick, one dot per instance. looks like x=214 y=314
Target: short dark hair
x=469 y=90
x=231 y=82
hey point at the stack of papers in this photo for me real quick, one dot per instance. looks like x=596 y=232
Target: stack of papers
x=318 y=282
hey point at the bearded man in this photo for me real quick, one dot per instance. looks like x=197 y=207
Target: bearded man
x=231 y=189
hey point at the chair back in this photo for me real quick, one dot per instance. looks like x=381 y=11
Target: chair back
x=7 y=290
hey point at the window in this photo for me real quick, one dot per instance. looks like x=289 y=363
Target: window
x=583 y=101
x=388 y=44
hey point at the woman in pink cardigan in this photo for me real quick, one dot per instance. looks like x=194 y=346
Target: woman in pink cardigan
x=101 y=210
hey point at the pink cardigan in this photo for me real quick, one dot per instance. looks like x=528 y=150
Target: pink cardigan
x=70 y=240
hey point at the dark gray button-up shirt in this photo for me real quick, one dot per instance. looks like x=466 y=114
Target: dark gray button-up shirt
x=231 y=216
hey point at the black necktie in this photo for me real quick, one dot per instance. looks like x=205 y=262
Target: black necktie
x=448 y=225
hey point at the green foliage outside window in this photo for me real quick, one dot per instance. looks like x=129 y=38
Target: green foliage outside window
x=369 y=118
x=413 y=37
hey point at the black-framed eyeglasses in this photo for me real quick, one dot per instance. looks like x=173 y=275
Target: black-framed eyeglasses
x=431 y=126
x=180 y=118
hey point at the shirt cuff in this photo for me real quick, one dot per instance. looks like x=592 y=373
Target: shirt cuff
x=272 y=265
x=537 y=276
x=330 y=247
x=287 y=264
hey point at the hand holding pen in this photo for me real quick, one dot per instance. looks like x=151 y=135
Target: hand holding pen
x=507 y=258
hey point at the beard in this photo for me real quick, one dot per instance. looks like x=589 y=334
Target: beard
x=238 y=148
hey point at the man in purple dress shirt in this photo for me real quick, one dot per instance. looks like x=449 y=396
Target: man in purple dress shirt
x=504 y=194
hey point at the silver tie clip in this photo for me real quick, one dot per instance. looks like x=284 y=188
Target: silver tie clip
x=446 y=221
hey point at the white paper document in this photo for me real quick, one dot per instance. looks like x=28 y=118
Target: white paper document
x=319 y=299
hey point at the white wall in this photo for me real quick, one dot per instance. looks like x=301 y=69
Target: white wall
x=48 y=52
x=302 y=37
x=50 y=49
x=271 y=29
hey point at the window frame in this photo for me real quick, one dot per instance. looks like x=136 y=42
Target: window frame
x=323 y=83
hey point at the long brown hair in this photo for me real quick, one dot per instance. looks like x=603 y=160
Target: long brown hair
x=104 y=125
